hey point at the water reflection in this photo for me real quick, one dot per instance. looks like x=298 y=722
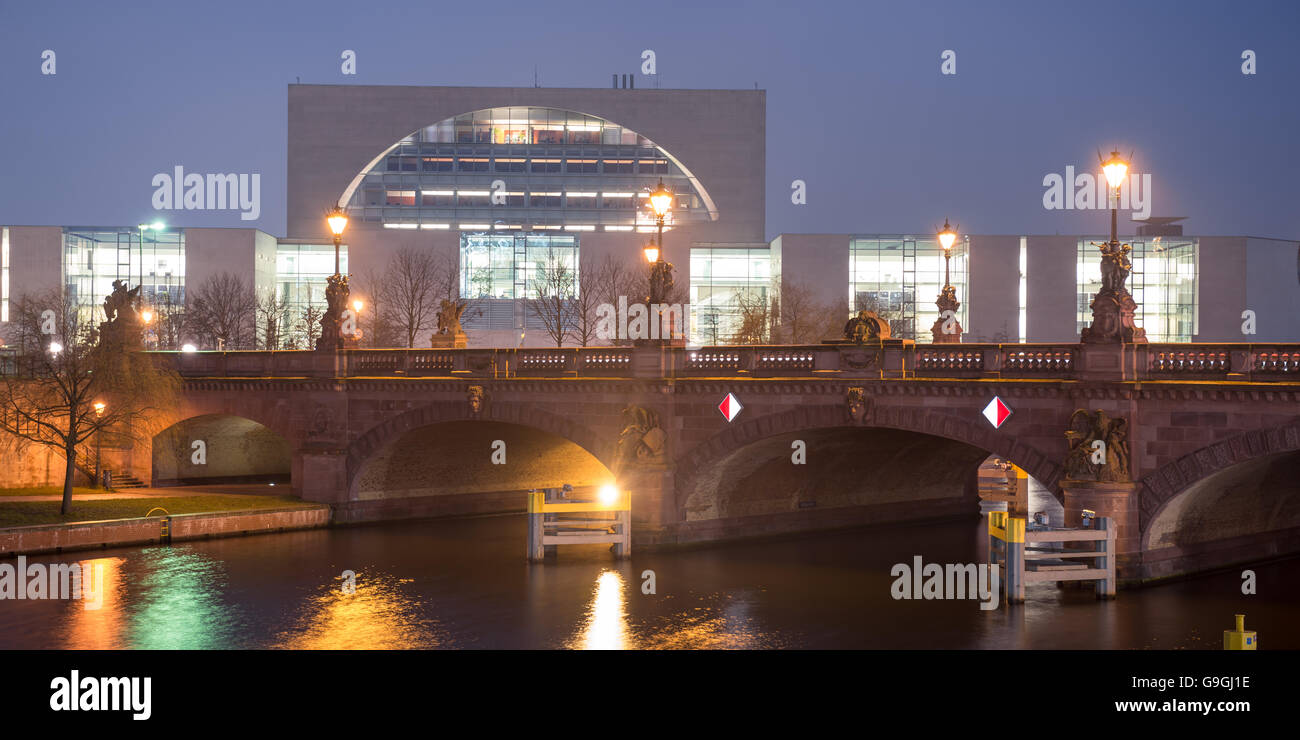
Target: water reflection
x=379 y=615
x=177 y=602
x=102 y=628
x=606 y=626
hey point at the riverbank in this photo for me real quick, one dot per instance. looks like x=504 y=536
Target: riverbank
x=122 y=521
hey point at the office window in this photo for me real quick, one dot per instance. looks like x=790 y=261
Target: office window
x=400 y=198
x=899 y=277
x=724 y=281
x=1164 y=285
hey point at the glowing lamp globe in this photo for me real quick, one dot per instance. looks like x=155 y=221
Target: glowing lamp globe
x=947 y=236
x=1116 y=168
x=338 y=221
x=661 y=200
x=651 y=253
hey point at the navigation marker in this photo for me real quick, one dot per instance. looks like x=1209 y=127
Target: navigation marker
x=997 y=412
x=730 y=407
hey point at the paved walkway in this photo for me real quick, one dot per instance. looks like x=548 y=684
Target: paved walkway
x=214 y=490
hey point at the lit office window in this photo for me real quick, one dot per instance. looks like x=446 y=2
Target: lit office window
x=899 y=277
x=95 y=257
x=497 y=269
x=534 y=150
x=4 y=274
x=1163 y=283
x=301 y=273
x=1024 y=288
x=725 y=282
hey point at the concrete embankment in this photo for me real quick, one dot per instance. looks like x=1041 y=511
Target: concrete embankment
x=147 y=531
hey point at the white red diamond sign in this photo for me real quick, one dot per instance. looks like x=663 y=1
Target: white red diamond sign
x=730 y=407
x=997 y=412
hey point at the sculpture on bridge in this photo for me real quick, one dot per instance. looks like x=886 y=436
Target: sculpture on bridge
x=476 y=396
x=867 y=326
x=1098 y=447
x=642 y=439
x=449 y=334
x=858 y=404
x=1113 y=309
x=123 y=328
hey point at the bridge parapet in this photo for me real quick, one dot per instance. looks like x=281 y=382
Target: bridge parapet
x=891 y=360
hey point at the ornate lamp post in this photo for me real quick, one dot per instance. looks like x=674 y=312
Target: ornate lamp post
x=336 y=291
x=661 y=271
x=1113 y=309
x=946 y=329
x=99 y=413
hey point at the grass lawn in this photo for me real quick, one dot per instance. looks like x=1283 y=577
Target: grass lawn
x=48 y=491
x=23 y=513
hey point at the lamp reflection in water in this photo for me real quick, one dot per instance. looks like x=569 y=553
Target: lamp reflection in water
x=101 y=628
x=606 y=627
x=178 y=602
x=378 y=615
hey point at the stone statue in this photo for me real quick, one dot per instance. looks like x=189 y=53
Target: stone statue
x=449 y=334
x=661 y=281
x=867 y=326
x=336 y=298
x=1113 y=309
x=449 y=317
x=642 y=439
x=476 y=395
x=121 y=301
x=124 y=330
x=1098 y=447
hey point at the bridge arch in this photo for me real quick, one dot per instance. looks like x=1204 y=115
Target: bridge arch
x=525 y=415
x=1164 y=487
x=962 y=441
x=219 y=447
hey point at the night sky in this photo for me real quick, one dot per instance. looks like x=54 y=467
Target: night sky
x=856 y=104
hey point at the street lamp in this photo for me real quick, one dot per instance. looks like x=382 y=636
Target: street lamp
x=661 y=272
x=946 y=329
x=99 y=414
x=55 y=348
x=336 y=289
x=1113 y=309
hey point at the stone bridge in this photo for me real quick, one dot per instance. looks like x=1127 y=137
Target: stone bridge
x=888 y=433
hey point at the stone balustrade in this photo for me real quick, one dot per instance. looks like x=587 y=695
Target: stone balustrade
x=897 y=359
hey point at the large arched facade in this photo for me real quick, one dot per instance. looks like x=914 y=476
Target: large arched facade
x=523 y=167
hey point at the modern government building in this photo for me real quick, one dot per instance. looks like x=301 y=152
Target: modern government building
x=499 y=180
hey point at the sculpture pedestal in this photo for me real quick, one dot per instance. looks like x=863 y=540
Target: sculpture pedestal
x=449 y=341
x=1113 y=320
x=1117 y=500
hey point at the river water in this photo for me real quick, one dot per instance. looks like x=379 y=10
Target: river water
x=463 y=583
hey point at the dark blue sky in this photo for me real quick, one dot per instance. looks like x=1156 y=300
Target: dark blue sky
x=856 y=104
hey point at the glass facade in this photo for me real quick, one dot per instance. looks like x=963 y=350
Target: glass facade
x=506 y=168
x=1163 y=284
x=899 y=277
x=723 y=279
x=4 y=273
x=300 y=280
x=94 y=257
x=496 y=269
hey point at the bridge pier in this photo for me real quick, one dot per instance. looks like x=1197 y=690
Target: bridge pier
x=654 y=505
x=1119 y=502
x=321 y=475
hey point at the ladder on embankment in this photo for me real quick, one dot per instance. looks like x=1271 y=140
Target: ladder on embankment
x=1033 y=556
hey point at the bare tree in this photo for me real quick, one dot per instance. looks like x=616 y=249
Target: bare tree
x=586 y=306
x=223 y=311
x=410 y=291
x=169 y=322
x=376 y=318
x=67 y=387
x=308 y=327
x=272 y=314
x=802 y=319
x=618 y=278
x=551 y=297
x=755 y=312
